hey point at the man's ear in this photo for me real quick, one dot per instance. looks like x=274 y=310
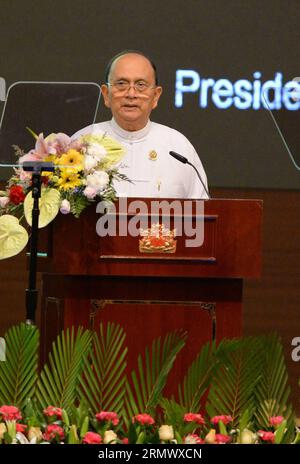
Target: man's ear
x=158 y=92
x=105 y=93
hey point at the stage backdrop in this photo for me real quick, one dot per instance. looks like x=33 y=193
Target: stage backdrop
x=214 y=59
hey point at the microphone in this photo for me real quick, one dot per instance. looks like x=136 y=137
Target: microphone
x=184 y=160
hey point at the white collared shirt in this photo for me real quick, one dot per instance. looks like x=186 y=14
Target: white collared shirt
x=147 y=163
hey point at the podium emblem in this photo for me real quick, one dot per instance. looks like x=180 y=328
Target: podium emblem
x=157 y=239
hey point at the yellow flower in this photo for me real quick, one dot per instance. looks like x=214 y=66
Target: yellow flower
x=69 y=179
x=72 y=159
x=110 y=437
x=49 y=159
x=35 y=432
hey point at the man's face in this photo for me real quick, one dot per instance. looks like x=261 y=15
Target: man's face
x=131 y=108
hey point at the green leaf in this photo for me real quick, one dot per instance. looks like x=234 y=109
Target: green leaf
x=198 y=378
x=145 y=390
x=18 y=374
x=58 y=382
x=233 y=383
x=103 y=385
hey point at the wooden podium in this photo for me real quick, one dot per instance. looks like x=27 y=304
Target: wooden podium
x=87 y=279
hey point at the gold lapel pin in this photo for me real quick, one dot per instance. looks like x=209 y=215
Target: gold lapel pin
x=153 y=155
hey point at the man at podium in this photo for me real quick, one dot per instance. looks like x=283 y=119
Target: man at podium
x=131 y=91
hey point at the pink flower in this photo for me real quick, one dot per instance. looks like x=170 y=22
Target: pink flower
x=21 y=428
x=276 y=420
x=193 y=439
x=107 y=416
x=143 y=419
x=51 y=411
x=222 y=439
x=53 y=432
x=266 y=436
x=65 y=207
x=90 y=192
x=92 y=438
x=10 y=413
x=191 y=417
x=225 y=419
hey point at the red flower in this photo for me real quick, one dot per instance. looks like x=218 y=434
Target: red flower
x=92 y=438
x=143 y=419
x=220 y=438
x=107 y=416
x=225 y=419
x=191 y=417
x=125 y=441
x=51 y=411
x=16 y=194
x=21 y=428
x=266 y=436
x=10 y=413
x=53 y=432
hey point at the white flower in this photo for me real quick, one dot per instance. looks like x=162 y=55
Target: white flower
x=110 y=437
x=90 y=162
x=166 y=432
x=98 y=180
x=247 y=437
x=65 y=207
x=4 y=201
x=96 y=150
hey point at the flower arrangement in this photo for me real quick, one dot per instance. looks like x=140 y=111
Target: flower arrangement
x=84 y=171
x=83 y=396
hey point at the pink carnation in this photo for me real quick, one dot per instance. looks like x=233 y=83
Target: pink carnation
x=10 y=413
x=92 y=438
x=266 y=436
x=53 y=432
x=276 y=420
x=51 y=411
x=107 y=416
x=21 y=428
x=225 y=419
x=222 y=439
x=143 y=419
x=191 y=417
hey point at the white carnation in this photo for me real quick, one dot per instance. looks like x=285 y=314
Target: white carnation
x=90 y=162
x=98 y=180
x=96 y=150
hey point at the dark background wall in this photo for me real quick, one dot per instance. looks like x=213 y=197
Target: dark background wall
x=51 y=40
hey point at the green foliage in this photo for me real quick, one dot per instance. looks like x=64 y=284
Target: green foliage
x=272 y=391
x=77 y=204
x=19 y=373
x=198 y=378
x=145 y=392
x=233 y=383
x=58 y=382
x=103 y=385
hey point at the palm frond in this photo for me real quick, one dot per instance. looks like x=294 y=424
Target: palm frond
x=272 y=391
x=197 y=379
x=103 y=385
x=58 y=380
x=18 y=373
x=233 y=383
x=145 y=391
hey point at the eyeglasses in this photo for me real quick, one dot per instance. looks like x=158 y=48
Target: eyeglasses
x=139 y=86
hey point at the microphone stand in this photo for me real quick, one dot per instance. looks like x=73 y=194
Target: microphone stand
x=31 y=293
